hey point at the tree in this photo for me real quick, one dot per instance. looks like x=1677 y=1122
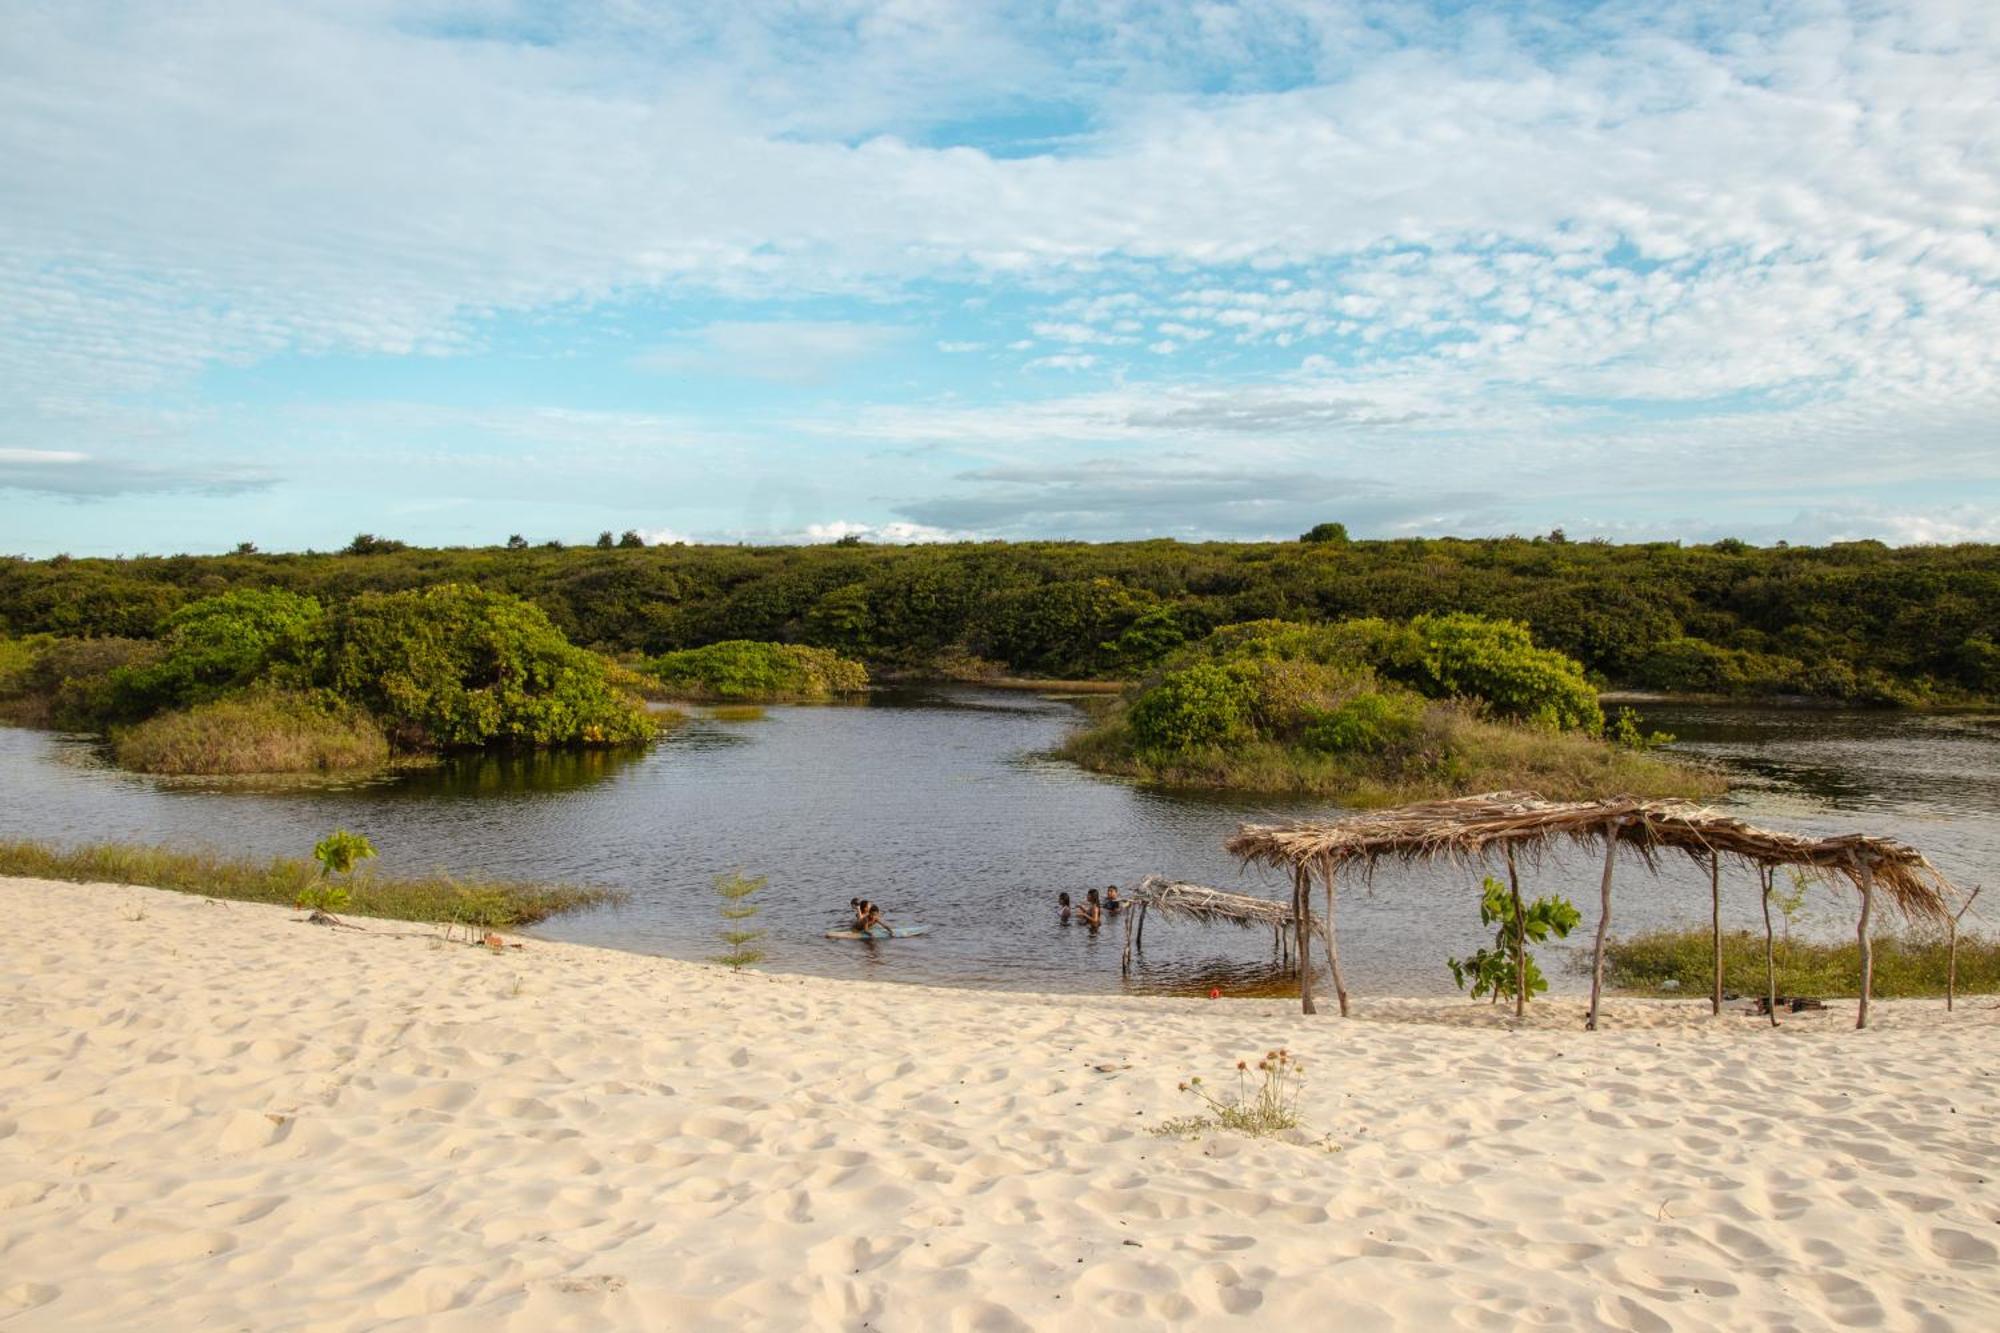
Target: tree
x=1496 y=970
x=367 y=543
x=1335 y=533
x=517 y=543
x=630 y=537
x=604 y=540
x=246 y=548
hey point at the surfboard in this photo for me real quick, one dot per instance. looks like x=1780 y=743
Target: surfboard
x=878 y=933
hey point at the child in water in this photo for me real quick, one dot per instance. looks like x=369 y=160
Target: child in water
x=1111 y=903
x=1063 y=908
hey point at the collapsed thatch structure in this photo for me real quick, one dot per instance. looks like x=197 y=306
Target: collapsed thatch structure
x=1473 y=828
x=1202 y=905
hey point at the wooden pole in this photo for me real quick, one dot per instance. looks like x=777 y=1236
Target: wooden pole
x=1520 y=941
x=1301 y=910
x=1603 y=924
x=1332 y=940
x=1140 y=942
x=1770 y=954
x=1125 y=959
x=1951 y=954
x=1715 y=926
x=1861 y=933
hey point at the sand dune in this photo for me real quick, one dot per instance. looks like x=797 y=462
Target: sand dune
x=213 y=1117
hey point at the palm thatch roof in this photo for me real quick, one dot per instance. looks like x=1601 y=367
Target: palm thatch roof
x=1207 y=906
x=1469 y=828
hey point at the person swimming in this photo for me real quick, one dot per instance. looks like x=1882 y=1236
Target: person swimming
x=871 y=920
x=1063 y=908
x=1092 y=911
x=1111 y=903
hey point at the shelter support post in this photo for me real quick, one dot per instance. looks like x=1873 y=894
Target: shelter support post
x=1301 y=916
x=1603 y=924
x=1951 y=953
x=1861 y=933
x=1333 y=939
x=1764 y=874
x=1715 y=925
x=1140 y=942
x=1125 y=958
x=1520 y=939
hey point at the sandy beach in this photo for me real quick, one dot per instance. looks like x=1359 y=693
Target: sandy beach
x=212 y=1116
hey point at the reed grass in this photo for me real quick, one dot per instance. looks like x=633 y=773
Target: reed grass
x=427 y=898
x=264 y=732
x=1906 y=966
x=1482 y=755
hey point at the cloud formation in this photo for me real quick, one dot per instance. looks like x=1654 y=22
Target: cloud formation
x=1606 y=259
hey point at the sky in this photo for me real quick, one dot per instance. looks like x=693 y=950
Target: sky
x=282 y=271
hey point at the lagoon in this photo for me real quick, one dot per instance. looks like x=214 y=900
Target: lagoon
x=934 y=802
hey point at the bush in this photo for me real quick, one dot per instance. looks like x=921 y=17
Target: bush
x=1370 y=723
x=741 y=669
x=1497 y=662
x=453 y=666
x=1191 y=709
x=261 y=732
x=68 y=682
x=220 y=644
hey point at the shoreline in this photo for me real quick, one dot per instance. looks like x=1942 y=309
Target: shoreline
x=210 y=1114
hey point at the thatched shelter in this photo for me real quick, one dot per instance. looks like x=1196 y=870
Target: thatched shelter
x=1204 y=906
x=1513 y=824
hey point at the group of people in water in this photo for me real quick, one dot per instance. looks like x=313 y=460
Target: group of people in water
x=867 y=916
x=1092 y=910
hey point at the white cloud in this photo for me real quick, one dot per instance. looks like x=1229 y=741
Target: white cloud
x=783 y=351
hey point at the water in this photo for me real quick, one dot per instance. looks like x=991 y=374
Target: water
x=934 y=803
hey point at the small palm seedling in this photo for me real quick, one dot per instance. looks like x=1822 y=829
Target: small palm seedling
x=337 y=853
x=1260 y=1107
x=736 y=910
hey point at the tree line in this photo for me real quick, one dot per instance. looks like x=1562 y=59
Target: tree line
x=1854 y=622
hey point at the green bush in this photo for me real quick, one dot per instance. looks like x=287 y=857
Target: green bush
x=1190 y=709
x=453 y=667
x=740 y=669
x=263 y=731
x=69 y=683
x=1370 y=723
x=220 y=644
x=1497 y=662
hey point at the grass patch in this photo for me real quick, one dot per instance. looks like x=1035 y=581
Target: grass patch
x=1906 y=966
x=1259 y=1107
x=263 y=732
x=282 y=880
x=1464 y=754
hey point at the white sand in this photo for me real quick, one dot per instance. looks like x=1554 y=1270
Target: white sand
x=213 y=1117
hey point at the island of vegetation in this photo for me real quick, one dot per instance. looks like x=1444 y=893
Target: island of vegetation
x=266 y=680
x=741 y=671
x=1373 y=713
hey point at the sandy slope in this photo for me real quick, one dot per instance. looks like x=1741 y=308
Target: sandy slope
x=212 y=1117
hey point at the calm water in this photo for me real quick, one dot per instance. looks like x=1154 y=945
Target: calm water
x=932 y=802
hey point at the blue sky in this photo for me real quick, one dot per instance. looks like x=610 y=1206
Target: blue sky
x=448 y=270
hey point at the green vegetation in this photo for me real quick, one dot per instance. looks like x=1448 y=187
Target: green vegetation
x=1854 y=622
x=761 y=672
x=266 y=681
x=1372 y=713
x=1661 y=961
x=736 y=909
x=259 y=731
x=1260 y=1108
x=1499 y=970
x=425 y=898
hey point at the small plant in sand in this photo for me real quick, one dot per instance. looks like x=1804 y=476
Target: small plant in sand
x=337 y=853
x=1496 y=971
x=1261 y=1106
x=736 y=909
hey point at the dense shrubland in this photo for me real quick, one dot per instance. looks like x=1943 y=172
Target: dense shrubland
x=1371 y=712
x=266 y=680
x=758 y=672
x=1856 y=622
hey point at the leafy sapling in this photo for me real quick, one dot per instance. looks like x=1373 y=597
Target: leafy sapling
x=1496 y=971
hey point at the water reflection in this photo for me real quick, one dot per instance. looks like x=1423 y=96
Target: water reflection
x=933 y=802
